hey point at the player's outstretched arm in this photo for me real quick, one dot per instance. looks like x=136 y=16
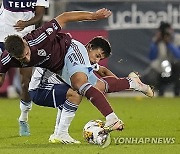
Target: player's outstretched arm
x=103 y=71
x=2 y=77
x=39 y=12
x=66 y=17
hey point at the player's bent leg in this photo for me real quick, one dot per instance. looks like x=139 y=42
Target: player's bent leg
x=73 y=96
x=114 y=84
x=25 y=103
x=137 y=85
x=68 y=113
x=104 y=107
x=133 y=81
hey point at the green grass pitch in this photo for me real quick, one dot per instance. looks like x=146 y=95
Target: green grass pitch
x=144 y=118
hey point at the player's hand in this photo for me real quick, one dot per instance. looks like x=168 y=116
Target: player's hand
x=101 y=14
x=20 y=25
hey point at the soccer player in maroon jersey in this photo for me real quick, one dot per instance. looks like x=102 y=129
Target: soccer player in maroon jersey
x=47 y=47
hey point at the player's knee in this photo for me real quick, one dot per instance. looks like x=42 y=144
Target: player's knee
x=25 y=84
x=78 y=79
x=101 y=86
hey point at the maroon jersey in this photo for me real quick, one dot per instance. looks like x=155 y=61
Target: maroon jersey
x=48 y=48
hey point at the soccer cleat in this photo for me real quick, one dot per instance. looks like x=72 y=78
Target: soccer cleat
x=24 y=128
x=144 y=88
x=51 y=138
x=65 y=139
x=117 y=125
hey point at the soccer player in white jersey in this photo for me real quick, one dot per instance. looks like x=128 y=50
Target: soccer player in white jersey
x=20 y=17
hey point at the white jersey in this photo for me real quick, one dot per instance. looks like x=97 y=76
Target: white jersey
x=44 y=79
x=13 y=10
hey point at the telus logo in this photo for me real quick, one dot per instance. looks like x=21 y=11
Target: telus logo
x=18 y=4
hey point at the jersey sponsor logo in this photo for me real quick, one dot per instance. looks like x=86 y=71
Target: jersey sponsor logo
x=19 y=5
x=24 y=65
x=44 y=60
x=49 y=31
x=42 y=52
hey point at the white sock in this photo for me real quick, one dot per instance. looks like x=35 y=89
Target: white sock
x=25 y=107
x=58 y=117
x=67 y=115
x=111 y=118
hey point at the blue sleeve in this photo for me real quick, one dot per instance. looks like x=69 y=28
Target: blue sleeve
x=153 y=51
x=175 y=50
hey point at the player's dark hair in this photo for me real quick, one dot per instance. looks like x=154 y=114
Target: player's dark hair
x=100 y=42
x=14 y=45
x=163 y=28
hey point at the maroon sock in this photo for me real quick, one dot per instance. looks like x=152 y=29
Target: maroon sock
x=116 y=84
x=99 y=100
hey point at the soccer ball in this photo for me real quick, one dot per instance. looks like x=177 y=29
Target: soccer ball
x=94 y=133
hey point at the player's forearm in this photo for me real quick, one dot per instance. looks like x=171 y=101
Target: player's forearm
x=2 y=77
x=103 y=71
x=39 y=12
x=82 y=16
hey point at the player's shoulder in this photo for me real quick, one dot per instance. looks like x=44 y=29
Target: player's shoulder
x=5 y=58
x=5 y=54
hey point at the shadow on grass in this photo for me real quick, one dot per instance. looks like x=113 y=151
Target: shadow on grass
x=48 y=145
x=9 y=137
